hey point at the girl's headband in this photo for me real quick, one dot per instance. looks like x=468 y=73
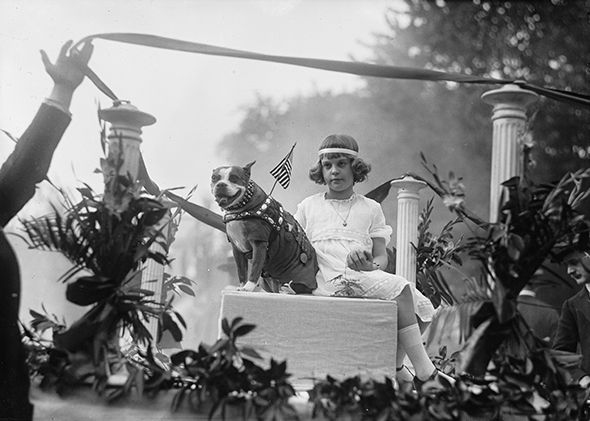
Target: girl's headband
x=338 y=150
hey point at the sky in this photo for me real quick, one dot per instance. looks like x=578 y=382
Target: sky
x=196 y=99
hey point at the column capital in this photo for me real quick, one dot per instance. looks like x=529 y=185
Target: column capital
x=510 y=96
x=409 y=184
x=125 y=115
x=125 y=134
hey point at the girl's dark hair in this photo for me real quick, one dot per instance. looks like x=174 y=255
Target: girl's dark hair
x=360 y=168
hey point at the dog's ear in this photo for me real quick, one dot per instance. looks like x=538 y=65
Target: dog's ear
x=247 y=168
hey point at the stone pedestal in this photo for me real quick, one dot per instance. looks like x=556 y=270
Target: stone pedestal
x=342 y=337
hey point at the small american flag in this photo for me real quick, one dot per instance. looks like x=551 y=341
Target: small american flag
x=282 y=172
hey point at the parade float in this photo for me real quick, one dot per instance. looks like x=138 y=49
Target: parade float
x=108 y=364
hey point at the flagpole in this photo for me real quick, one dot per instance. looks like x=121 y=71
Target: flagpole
x=273 y=187
x=285 y=158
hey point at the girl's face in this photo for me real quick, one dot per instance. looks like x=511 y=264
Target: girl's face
x=338 y=176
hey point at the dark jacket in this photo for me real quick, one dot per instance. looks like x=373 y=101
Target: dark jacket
x=24 y=168
x=540 y=316
x=574 y=330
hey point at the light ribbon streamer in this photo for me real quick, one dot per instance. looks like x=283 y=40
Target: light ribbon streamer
x=355 y=68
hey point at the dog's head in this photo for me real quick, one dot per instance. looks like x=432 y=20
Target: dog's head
x=230 y=185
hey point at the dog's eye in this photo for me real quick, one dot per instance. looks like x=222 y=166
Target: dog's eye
x=233 y=178
x=215 y=178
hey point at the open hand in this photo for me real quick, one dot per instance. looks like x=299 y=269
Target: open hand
x=68 y=70
x=360 y=260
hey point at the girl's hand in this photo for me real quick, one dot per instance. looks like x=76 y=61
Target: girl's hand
x=360 y=260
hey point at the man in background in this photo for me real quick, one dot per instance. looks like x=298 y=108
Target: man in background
x=573 y=331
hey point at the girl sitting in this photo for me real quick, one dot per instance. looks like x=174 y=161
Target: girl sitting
x=349 y=234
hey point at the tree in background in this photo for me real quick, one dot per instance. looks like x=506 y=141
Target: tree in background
x=397 y=119
x=538 y=42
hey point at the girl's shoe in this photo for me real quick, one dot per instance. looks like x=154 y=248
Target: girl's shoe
x=404 y=382
x=436 y=381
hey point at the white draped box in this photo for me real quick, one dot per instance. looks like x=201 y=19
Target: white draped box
x=342 y=337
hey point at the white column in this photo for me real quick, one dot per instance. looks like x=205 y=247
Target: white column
x=509 y=117
x=125 y=136
x=408 y=198
x=152 y=276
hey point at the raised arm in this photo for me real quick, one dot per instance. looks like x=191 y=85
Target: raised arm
x=28 y=164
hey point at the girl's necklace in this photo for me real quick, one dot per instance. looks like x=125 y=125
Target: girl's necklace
x=344 y=220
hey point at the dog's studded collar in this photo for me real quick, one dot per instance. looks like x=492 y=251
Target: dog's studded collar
x=245 y=199
x=270 y=210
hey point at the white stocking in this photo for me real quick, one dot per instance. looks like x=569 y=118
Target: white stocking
x=402 y=372
x=411 y=340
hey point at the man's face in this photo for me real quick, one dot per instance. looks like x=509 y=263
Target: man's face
x=578 y=267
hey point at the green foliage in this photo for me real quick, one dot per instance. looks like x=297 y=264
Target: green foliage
x=222 y=376
x=110 y=243
x=107 y=238
x=47 y=365
x=534 y=220
x=167 y=322
x=507 y=389
x=434 y=252
x=178 y=283
x=444 y=363
x=511 y=371
x=348 y=287
x=533 y=385
x=357 y=398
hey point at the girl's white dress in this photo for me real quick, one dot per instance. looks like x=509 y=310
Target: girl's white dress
x=335 y=227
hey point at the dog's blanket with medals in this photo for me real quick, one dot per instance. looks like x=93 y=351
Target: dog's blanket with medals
x=291 y=259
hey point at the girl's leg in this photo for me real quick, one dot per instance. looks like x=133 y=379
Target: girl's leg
x=382 y=285
x=410 y=337
x=403 y=375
